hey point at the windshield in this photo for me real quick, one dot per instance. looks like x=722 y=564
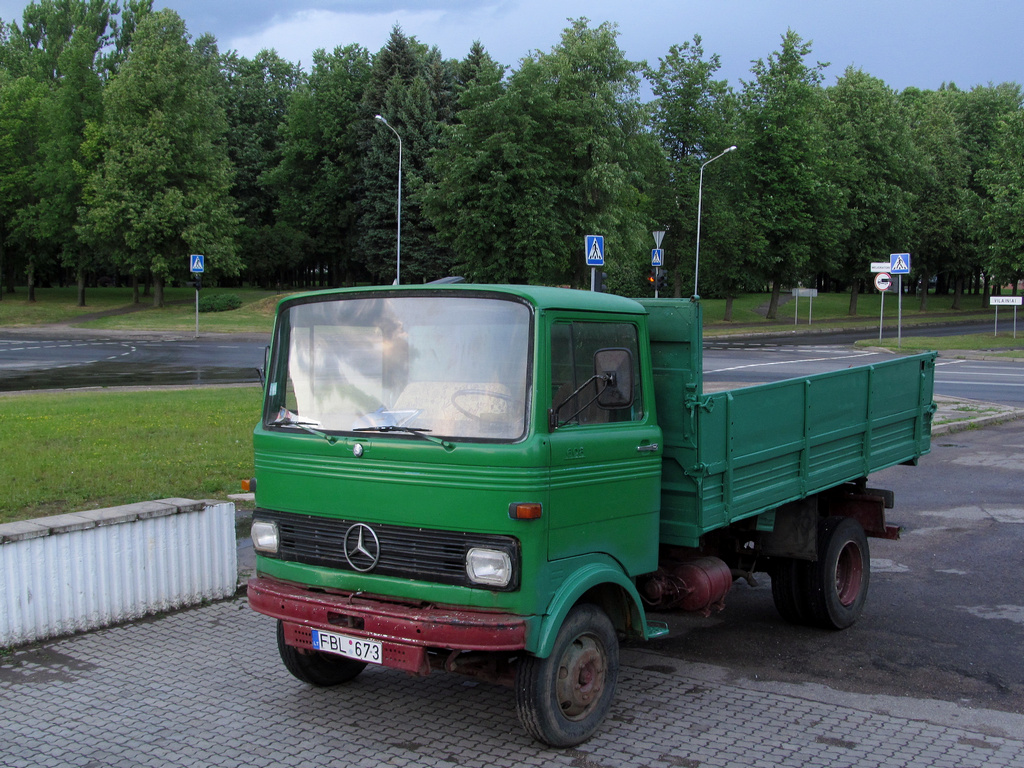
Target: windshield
x=452 y=366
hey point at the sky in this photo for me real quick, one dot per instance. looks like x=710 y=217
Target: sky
x=905 y=43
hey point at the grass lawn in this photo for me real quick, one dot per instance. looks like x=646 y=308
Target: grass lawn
x=58 y=305
x=85 y=450
x=827 y=310
x=1003 y=345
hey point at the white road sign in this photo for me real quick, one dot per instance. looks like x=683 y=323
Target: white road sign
x=1005 y=301
x=879 y=266
x=883 y=281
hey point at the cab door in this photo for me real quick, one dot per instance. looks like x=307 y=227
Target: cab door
x=605 y=461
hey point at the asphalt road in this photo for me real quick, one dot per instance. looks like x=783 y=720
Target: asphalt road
x=945 y=612
x=742 y=363
x=35 y=359
x=30 y=361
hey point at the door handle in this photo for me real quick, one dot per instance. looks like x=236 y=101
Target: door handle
x=652 y=448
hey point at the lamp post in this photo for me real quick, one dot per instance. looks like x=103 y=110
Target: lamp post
x=700 y=192
x=398 y=258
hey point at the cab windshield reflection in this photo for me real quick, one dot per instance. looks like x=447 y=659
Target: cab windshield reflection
x=448 y=366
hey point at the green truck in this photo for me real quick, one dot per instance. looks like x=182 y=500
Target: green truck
x=506 y=481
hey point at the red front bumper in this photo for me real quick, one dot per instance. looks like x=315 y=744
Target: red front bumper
x=406 y=631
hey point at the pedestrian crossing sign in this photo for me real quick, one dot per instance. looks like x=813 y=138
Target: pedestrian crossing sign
x=594 y=245
x=197 y=263
x=899 y=263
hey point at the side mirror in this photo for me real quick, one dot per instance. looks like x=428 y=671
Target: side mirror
x=614 y=367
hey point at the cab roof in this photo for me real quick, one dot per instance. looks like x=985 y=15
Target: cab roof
x=542 y=297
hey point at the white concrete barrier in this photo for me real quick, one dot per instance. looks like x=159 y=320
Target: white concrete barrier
x=65 y=574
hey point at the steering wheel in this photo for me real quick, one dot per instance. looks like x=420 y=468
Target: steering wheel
x=485 y=392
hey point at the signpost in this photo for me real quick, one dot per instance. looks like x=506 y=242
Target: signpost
x=657 y=258
x=810 y=293
x=899 y=264
x=883 y=282
x=593 y=249
x=197 y=265
x=1005 y=301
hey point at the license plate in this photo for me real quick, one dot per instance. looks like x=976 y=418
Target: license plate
x=351 y=647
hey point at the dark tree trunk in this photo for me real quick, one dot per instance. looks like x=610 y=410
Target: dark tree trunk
x=158 y=292
x=773 y=305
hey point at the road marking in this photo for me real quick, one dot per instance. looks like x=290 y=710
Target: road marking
x=794 y=362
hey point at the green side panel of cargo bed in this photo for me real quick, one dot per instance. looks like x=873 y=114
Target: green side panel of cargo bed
x=763 y=446
x=735 y=454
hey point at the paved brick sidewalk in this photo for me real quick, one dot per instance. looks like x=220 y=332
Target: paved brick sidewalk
x=205 y=687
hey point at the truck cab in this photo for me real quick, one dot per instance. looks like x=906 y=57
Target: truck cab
x=445 y=473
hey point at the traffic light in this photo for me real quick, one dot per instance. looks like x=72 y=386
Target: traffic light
x=651 y=278
x=197 y=283
x=600 y=282
x=662 y=281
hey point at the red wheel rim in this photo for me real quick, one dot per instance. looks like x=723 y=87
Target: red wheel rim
x=849 y=574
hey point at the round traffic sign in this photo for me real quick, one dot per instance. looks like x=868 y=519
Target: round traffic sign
x=883 y=281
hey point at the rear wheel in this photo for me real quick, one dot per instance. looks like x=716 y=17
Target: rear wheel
x=316 y=667
x=837 y=583
x=561 y=700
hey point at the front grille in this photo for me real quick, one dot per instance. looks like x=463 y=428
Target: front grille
x=406 y=552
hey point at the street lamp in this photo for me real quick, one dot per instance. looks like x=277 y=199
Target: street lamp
x=398 y=263
x=700 y=191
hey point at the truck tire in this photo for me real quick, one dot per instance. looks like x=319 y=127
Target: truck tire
x=788 y=591
x=837 y=583
x=316 y=667
x=561 y=700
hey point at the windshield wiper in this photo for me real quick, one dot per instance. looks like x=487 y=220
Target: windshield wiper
x=418 y=431
x=288 y=421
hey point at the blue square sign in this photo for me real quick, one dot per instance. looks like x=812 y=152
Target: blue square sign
x=899 y=263
x=595 y=250
x=197 y=263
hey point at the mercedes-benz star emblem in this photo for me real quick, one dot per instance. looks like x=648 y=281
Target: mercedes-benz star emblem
x=362 y=548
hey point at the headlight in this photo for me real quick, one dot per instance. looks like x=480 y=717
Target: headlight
x=489 y=566
x=264 y=536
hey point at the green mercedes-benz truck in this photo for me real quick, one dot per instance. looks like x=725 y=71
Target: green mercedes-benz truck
x=504 y=481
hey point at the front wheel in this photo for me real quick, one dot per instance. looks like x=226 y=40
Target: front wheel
x=837 y=583
x=561 y=700
x=316 y=667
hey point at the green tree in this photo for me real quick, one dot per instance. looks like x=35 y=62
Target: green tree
x=981 y=113
x=1004 y=185
x=939 y=173
x=695 y=120
x=870 y=154
x=787 y=192
x=72 y=47
x=560 y=151
x=161 y=190
x=257 y=94
x=21 y=106
x=318 y=180
x=414 y=90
